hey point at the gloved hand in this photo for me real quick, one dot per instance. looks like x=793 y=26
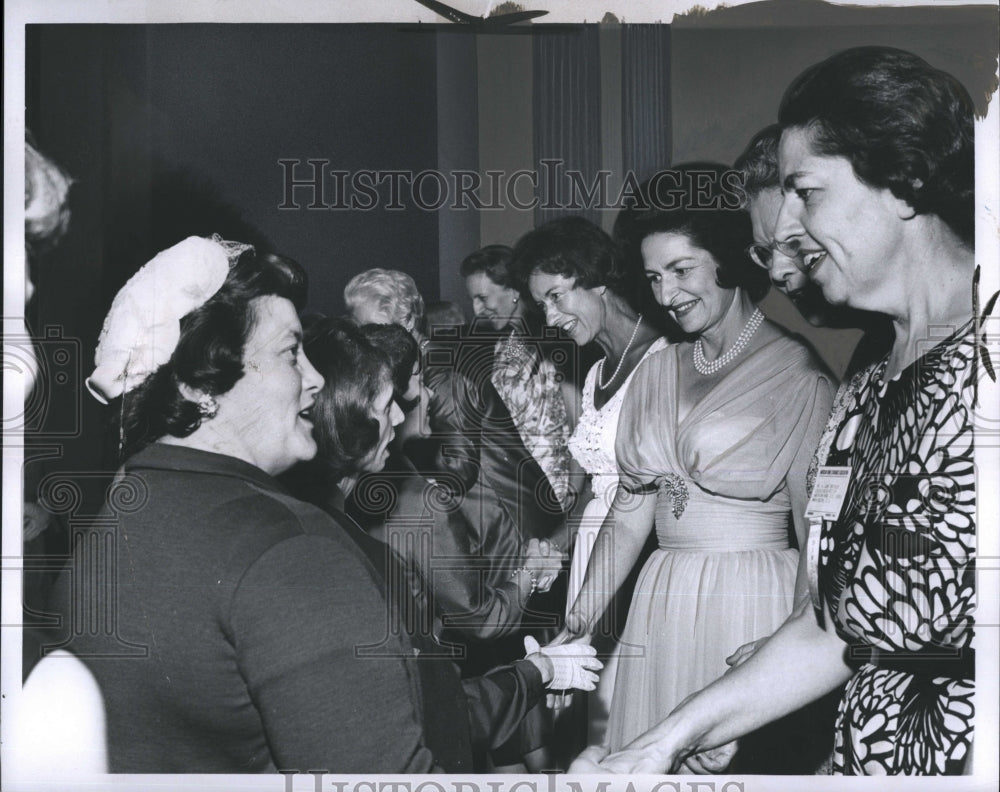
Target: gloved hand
x=573 y=665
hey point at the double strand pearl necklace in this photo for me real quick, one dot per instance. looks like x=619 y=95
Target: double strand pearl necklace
x=705 y=368
x=621 y=360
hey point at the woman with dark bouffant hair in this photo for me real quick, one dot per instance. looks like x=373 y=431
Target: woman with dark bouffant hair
x=713 y=444
x=876 y=167
x=208 y=359
x=241 y=629
x=419 y=515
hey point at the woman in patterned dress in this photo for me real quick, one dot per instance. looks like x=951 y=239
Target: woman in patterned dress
x=573 y=271
x=876 y=161
x=526 y=379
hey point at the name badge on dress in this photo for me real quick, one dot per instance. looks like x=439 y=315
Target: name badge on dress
x=828 y=493
x=827 y=498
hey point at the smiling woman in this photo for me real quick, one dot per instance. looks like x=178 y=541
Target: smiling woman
x=713 y=443
x=876 y=162
x=239 y=609
x=532 y=389
x=264 y=418
x=573 y=271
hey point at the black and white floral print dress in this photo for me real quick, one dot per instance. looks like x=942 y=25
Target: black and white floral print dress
x=897 y=568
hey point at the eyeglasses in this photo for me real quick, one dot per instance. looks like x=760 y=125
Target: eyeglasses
x=763 y=255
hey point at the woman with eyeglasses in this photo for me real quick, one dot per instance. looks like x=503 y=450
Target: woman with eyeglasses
x=876 y=161
x=713 y=444
x=778 y=253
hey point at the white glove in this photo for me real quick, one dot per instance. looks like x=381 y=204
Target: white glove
x=573 y=664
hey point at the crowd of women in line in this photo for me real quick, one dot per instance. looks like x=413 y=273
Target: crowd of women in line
x=353 y=532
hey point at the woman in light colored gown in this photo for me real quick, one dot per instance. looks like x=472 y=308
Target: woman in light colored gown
x=713 y=445
x=573 y=271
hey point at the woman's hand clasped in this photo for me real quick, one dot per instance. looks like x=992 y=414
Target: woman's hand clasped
x=714 y=760
x=564 y=667
x=574 y=632
x=657 y=751
x=544 y=561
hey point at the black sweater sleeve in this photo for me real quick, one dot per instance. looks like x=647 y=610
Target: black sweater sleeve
x=297 y=619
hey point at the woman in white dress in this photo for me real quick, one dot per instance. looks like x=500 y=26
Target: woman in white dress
x=573 y=271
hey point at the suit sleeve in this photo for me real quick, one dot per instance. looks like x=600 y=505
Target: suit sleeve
x=470 y=590
x=499 y=700
x=454 y=417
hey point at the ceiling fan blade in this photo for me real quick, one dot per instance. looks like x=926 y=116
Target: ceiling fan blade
x=450 y=13
x=513 y=18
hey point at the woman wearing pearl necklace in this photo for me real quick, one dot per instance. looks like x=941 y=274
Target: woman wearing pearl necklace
x=573 y=271
x=713 y=445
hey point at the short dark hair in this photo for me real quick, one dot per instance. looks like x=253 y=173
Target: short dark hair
x=723 y=232
x=354 y=372
x=400 y=348
x=759 y=162
x=903 y=125
x=209 y=353
x=494 y=260
x=572 y=247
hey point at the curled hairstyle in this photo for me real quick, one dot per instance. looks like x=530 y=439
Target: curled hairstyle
x=494 y=261
x=355 y=371
x=903 y=125
x=209 y=354
x=758 y=163
x=723 y=232
x=400 y=349
x=574 y=248
x=391 y=292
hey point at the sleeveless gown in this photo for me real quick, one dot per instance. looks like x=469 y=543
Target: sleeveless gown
x=724 y=571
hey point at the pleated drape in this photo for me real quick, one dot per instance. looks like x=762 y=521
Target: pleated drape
x=646 y=122
x=567 y=107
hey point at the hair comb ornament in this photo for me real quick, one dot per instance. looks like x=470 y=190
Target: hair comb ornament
x=143 y=327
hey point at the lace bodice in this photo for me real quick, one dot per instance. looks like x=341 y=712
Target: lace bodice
x=592 y=443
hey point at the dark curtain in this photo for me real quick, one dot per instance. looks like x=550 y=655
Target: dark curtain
x=567 y=110
x=646 y=143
